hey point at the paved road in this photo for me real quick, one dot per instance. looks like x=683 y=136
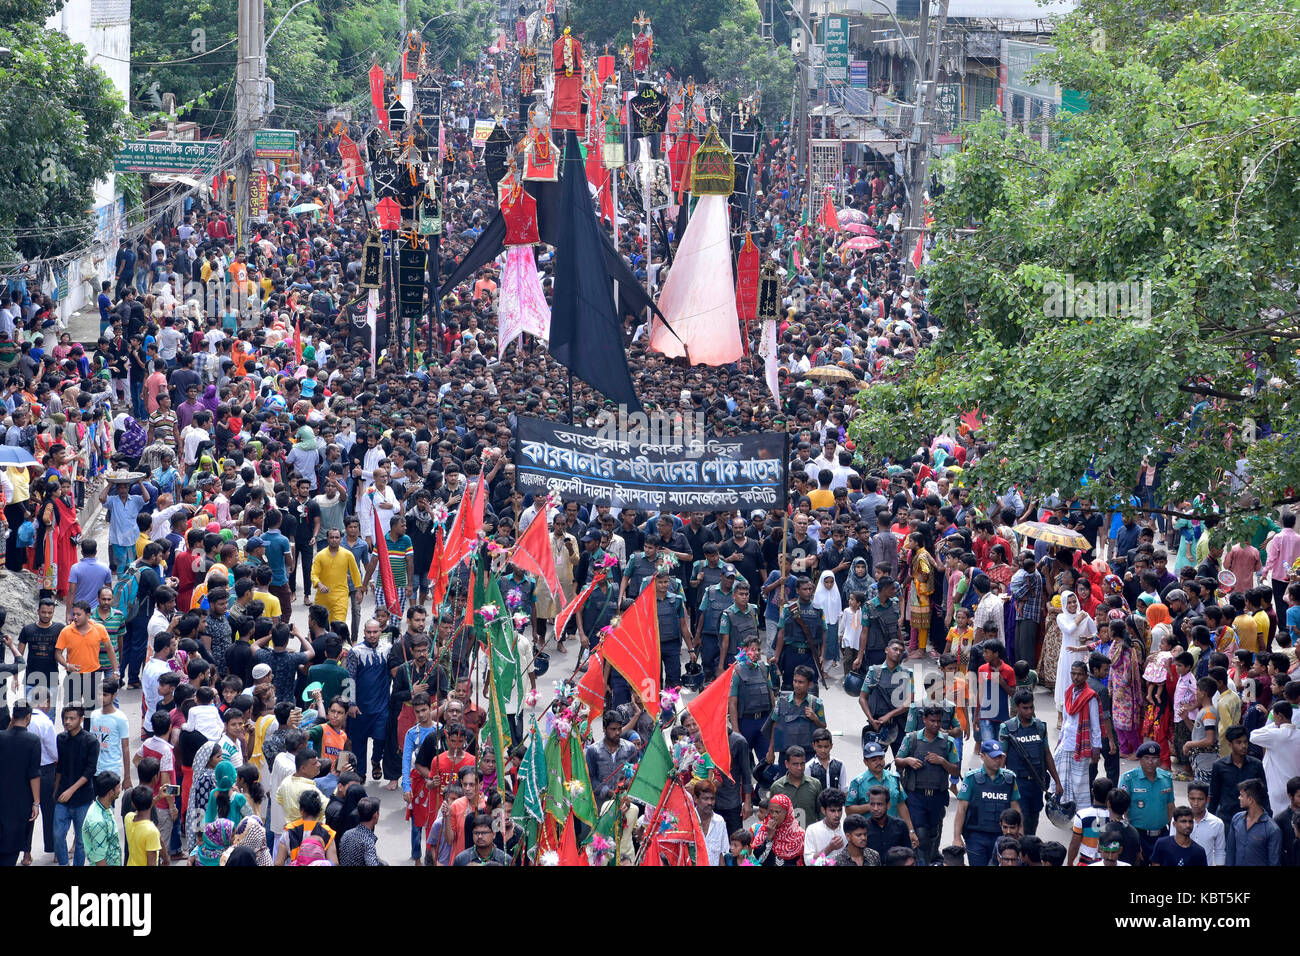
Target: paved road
x=844 y=718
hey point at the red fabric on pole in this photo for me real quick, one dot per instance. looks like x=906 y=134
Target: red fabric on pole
x=533 y=553
x=747 y=267
x=574 y=606
x=591 y=688
x=569 y=853
x=463 y=535
x=918 y=253
x=385 y=568
x=829 y=218
x=632 y=648
x=604 y=67
x=710 y=712
x=673 y=843
x=437 y=574
x=377 y=95
x=297 y=333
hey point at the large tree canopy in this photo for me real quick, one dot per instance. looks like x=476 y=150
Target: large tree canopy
x=1182 y=177
x=61 y=122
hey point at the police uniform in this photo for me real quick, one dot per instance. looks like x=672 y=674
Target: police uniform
x=640 y=569
x=735 y=628
x=886 y=689
x=927 y=788
x=751 y=685
x=881 y=628
x=1034 y=741
x=986 y=797
x=713 y=601
x=670 y=609
x=709 y=575
x=791 y=727
x=802 y=642
x=1149 y=809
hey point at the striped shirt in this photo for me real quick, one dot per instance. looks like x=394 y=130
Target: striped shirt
x=115 y=624
x=400 y=553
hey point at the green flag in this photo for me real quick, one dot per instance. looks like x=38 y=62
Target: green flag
x=498 y=727
x=652 y=773
x=532 y=778
x=568 y=786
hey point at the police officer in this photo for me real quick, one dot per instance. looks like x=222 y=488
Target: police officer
x=928 y=757
x=674 y=627
x=750 y=699
x=1152 y=790
x=738 y=623
x=796 y=715
x=886 y=697
x=881 y=625
x=641 y=568
x=1024 y=738
x=983 y=795
x=714 y=600
x=800 y=634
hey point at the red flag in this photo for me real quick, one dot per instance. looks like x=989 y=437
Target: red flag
x=465 y=527
x=533 y=553
x=918 y=253
x=574 y=606
x=547 y=838
x=671 y=846
x=632 y=648
x=710 y=712
x=591 y=688
x=297 y=342
x=377 y=95
x=469 y=602
x=604 y=68
x=385 y=568
x=569 y=855
x=829 y=219
x=747 y=266
x=598 y=176
x=436 y=572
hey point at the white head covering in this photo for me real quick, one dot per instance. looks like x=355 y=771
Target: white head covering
x=1073 y=624
x=828 y=598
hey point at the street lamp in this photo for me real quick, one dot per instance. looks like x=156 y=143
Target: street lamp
x=267 y=43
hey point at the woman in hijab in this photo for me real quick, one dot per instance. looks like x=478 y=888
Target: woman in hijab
x=827 y=597
x=217 y=838
x=210 y=400
x=859 y=581
x=205 y=781
x=1127 y=657
x=778 y=841
x=250 y=834
x=1077 y=630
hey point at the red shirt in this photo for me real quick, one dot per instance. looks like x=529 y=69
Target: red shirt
x=982 y=548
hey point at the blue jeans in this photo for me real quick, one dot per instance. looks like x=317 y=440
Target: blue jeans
x=988 y=730
x=137 y=398
x=65 y=816
x=417 y=841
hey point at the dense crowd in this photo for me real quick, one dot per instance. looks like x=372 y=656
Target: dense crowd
x=243 y=441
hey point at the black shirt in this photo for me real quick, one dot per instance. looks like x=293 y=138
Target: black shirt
x=78 y=757
x=39 y=643
x=882 y=838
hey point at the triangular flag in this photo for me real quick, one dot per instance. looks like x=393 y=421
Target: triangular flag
x=675 y=830
x=710 y=711
x=632 y=648
x=386 y=579
x=918 y=253
x=574 y=606
x=532 y=777
x=652 y=772
x=829 y=218
x=533 y=553
x=437 y=572
x=591 y=688
x=569 y=855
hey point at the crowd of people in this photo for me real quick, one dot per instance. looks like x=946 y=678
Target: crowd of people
x=244 y=441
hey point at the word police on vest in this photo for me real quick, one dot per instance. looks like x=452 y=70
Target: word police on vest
x=77 y=910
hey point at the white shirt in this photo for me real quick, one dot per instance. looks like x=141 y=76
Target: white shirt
x=818 y=837
x=366 y=511
x=1207 y=833
x=43 y=727
x=1281 y=745
x=231 y=751
x=716 y=839
x=149 y=684
x=282 y=768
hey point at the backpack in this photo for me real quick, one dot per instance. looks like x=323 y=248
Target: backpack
x=126 y=592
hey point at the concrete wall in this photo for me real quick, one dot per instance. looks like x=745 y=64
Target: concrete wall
x=103 y=27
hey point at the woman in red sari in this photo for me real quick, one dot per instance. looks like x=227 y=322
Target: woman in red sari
x=67 y=535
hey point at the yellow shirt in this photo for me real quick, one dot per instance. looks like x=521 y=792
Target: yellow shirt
x=821 y=498
x=140 y=542
x=291 y=789
x=1229 y=713
x=332 y=570
x=141 y=837
x=273 y=608
x=1247 y=632
x=1262 y=627
x=22 y=482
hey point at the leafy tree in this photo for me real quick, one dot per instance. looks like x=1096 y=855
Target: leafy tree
x=737 y=55
x=1181 y=176
x=61 y=122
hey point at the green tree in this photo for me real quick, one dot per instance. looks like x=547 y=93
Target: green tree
x=61 y=122
x=737 y=55
x=1182 y=177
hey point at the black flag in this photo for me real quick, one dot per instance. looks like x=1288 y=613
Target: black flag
x=586 y=337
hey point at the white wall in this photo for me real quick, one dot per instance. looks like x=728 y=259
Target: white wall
x=103 y=27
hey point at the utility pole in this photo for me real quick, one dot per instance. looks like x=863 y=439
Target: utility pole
x=923 y=123
x=250 y=102
x=805 y=68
